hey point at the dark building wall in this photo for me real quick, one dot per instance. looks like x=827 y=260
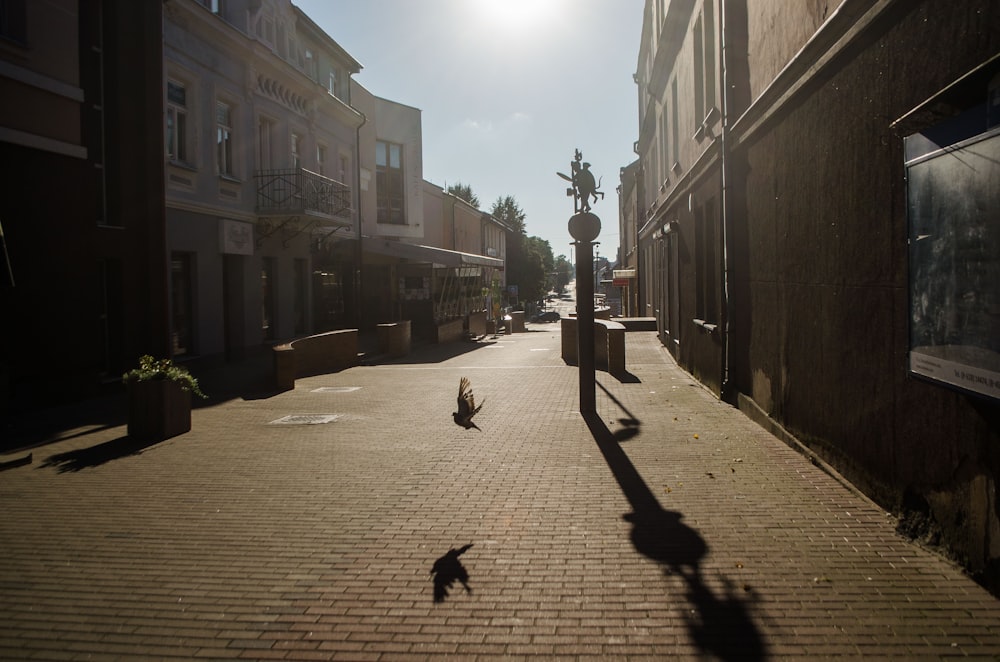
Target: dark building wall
x=826 y=257
x=90 y=278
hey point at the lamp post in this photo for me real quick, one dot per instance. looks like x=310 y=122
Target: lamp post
x=584 y=228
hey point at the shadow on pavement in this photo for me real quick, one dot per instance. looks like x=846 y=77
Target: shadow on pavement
x=719 y=625
x=94 y=456
x=447 y=570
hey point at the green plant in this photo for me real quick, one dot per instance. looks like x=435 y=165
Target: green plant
x=150 y=369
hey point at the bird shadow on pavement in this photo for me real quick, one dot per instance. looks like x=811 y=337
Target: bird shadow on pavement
x=720 y=625
x=447 y=570
x=85 y=458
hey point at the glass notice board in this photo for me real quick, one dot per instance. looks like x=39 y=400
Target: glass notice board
x=953 y=208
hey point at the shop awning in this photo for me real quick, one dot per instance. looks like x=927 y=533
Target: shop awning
x=622 y=277
x=429 y=254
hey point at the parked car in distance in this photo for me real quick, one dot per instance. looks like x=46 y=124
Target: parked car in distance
x=546 y=316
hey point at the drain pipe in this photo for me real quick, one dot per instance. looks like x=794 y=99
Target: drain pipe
x=358 y=253
x=727 y=390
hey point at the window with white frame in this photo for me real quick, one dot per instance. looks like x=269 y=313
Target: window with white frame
x=389 y=183
x=331 y=83
x=224 y=138
x=296 y=151
x=321 y=159
x=177 y=132
x=345 y=166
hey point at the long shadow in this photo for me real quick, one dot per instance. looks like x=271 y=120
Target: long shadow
x=433 y=352
x=447 y=570
x=720 y=625
x=95 y=456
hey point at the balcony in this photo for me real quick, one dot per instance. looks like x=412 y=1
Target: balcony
x=299 y=192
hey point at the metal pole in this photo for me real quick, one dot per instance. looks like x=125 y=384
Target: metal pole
x=585 y=326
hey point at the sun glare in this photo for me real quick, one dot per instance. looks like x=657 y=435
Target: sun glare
x=517 y=13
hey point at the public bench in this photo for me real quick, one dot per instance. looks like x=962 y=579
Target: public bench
x=314 y=355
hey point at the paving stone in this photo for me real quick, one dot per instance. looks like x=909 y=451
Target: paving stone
x=682 y=530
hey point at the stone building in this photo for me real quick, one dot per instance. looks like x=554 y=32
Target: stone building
x=82 y=266
x=814 y=187
x=261 y=158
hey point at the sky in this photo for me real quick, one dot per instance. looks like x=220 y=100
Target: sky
x=507 y=90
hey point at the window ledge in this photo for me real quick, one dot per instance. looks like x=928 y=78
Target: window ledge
x=707 y=326
x=183 y=165
x=230 y=179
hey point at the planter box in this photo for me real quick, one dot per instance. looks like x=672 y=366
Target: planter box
x=158 y=409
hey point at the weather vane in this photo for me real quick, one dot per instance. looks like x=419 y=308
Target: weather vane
x=584 y=187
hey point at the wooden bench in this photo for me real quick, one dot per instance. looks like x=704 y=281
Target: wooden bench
x=314 y=355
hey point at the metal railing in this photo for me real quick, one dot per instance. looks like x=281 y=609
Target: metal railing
x=300 y=191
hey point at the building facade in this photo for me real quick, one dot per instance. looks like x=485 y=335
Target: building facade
x=795 y=248
x=82 y=266
x=261 y=153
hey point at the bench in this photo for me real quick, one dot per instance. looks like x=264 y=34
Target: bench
x=314 y=355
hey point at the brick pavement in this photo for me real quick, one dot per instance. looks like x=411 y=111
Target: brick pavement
x=670 y=525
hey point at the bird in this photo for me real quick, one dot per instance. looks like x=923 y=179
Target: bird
x=466 y=405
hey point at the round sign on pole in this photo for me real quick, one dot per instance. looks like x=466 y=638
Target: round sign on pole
x=584 y=226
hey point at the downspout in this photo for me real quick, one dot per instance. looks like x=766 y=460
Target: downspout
x=727 y=390
x=357 y=196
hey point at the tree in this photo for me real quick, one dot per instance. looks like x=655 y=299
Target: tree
x=563 y=272
x=464 y=191
x=507 y=211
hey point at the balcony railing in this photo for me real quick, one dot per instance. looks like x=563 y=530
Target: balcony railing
x=299 y=191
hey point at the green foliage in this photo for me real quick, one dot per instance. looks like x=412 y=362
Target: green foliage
x=464 y=191
x=507 y=211
x=150 y=369
x=563 y=272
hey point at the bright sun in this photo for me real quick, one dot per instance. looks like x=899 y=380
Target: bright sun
x=517 y=13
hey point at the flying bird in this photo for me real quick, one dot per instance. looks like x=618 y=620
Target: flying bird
x=466 y=405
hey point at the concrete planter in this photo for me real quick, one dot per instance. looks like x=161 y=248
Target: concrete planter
x=394 y=338
x=158 y=409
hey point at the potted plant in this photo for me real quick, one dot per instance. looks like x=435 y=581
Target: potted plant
x=159 y=399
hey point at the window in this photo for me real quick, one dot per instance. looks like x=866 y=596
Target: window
x=296 y=153
x=664 y=162
x=265 y=131
x=331 y=83
x=321 y=159
x=345 y=166
x=675 y=128
x=177 y=133
x=709 y=78
x=182 y=303
x=389 y=182
x=699 y=74
x=704 y=64
x=265 y=30
x=705 y=246
x=224 y=138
